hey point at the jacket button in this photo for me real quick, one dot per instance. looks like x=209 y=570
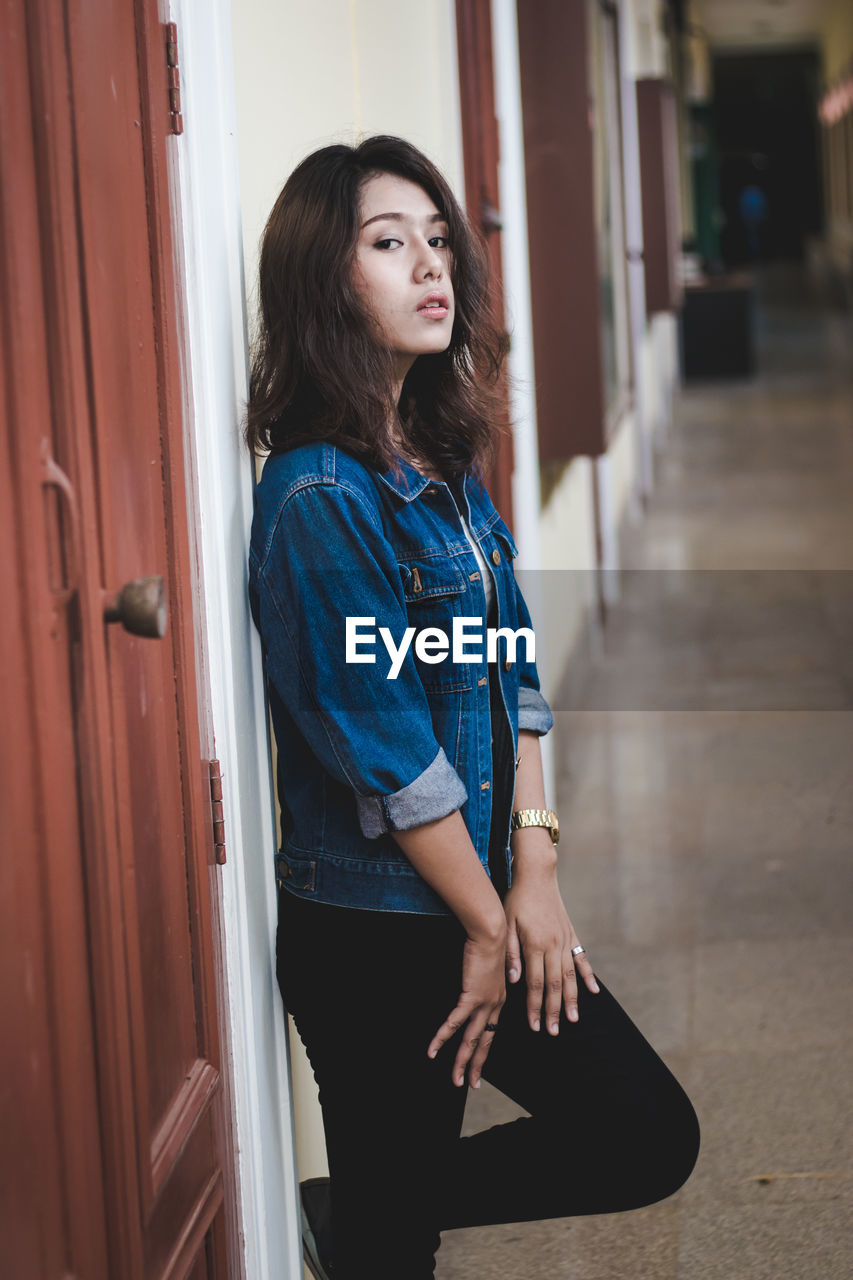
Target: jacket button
x=484 y=786
x=483 y=680
x=507 y=665
x=496 y=557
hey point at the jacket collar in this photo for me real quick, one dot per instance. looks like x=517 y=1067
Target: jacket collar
x=411 y=483
x=406 y=486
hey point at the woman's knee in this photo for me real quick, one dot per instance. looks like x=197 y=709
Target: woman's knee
x=672 y=1146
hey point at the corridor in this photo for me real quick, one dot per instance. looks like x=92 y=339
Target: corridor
x=705 y=788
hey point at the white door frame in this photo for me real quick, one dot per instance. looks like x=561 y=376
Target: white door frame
x=209 y=238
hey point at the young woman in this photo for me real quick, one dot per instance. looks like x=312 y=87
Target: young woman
x=423 y=942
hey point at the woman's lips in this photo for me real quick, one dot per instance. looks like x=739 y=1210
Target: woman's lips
x=435 y=306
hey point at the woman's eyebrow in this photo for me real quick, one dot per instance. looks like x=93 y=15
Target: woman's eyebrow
x=400 y=217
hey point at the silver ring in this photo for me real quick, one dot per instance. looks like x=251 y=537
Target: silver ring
x=578 y=951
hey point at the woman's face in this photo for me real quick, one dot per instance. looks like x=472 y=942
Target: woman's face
x=402 y=268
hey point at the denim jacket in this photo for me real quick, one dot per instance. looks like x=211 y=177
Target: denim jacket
x=360 y=754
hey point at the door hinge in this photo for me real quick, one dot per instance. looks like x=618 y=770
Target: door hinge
x=173 y=72
x=216 y=810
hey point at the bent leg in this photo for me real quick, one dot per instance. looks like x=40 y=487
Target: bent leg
x=610 y=1127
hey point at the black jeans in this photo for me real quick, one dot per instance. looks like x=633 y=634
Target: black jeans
x=610 y=1128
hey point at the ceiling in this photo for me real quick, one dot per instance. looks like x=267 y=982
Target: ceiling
x=761 y=22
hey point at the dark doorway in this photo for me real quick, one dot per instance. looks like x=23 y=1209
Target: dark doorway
x=765 y=110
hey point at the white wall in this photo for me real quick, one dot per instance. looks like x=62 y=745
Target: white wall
x=567 y=532
x=650 y=52
x=308 y=74
x=623 y=469
x=661 y=354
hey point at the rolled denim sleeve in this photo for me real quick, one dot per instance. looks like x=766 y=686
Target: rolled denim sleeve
x=328 y=559
x=534 y=713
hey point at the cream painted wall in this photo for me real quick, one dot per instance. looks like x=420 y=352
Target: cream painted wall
x=567 y=525
x=648 y=43
x=623 y=468
x=307 y=75
x=655 y=416
x=565 y=601
x=661 y=353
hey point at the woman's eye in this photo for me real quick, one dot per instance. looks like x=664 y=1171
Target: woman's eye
x=438 y=242
x=387 y=242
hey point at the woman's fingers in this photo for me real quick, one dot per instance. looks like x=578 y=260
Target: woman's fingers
x=486 y=1039
x=480 y=1027
x=476 y=1043
x=513 y=954
x=483 y=995
x=584 y=968
x=554 y=989
x=546 y=986
x=570 y=988
x=534 y=964
x=577 y=963
x=552 y=981
x=448 y=1028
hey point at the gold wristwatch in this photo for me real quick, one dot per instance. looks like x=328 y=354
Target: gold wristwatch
x=537 y=818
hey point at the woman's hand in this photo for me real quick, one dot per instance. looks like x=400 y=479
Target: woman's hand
x=481 y=1001
x=539 y=929
x=443 y=854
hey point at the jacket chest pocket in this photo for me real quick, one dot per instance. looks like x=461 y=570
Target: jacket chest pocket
x=435 y=593
x=508 y=549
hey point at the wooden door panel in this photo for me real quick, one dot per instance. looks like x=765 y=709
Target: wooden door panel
x=185 y=1210
x=153 y=855
x=34 y=1235
x=136 y=449
x=118 y=1132
x=52 y=1201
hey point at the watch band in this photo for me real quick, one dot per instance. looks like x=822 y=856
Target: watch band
x=536 y=818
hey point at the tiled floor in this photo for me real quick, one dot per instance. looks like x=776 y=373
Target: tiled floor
x=706 y=791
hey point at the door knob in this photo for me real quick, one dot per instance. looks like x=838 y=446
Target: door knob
x=140 y=607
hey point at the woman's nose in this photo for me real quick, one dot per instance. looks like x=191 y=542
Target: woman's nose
x=429 y=264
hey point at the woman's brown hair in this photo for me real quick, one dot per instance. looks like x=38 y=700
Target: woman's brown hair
x=318 y=371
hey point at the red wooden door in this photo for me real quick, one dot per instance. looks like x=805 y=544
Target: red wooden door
x=112 y=1096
